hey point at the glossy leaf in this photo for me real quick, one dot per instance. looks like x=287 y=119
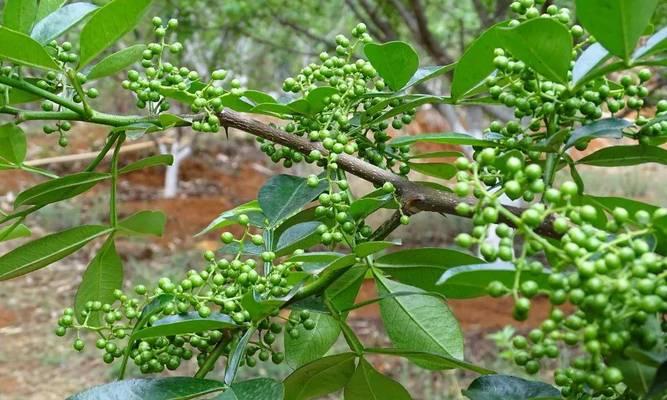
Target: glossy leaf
x=173 y=388
x=424 y=74
x=589 y=60
x=655 y=44
x=368 y=383
x=636 y=375
x=423 y=267
x=149 y=162
x=622 y=156
x=543 y=44
x=46 y=7
x=103 y=275
x=469 y=281
x=659 y=386
x=395 y=62
x=22 y=49
x=608 y=128
x=59 y=189
x=13 y=145
x=8 y=233
x=320 y=377
x=237 y=354
x=47 y=250
x=441 y=138
x=616 y=24
x=254 y=389
x=19 y=15
x=419 y=322
x=60 y=21
x=343 y=292
x=299 y=236
x=502 y=387
x=116 y=62
x=144 y=223
x=185 y=323
x=313 y=344
x=366 y=206
x=368 y=248
x=109 y=24
x=434 y=169
x=230 y=217
x=476 y=64
x=439 y=362
x=259 y=307
x=284 y=195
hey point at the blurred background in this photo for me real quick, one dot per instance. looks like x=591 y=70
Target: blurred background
x=262 y=42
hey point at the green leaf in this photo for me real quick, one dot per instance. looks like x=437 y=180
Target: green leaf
x=13 y=145
x=502 y=387
x=19 y=15
x=259 y=307
x=424 y=74
x=109 y=24
x=60 y=21
x=316 y=98
x=441 y=138
x=254 y=389
x=419 y=322
x=237 y=354
x=116 y=62
x=283 y=195
x=594 y=56
x=313 y=344
x=655 y=44
x=22 y=49
x=230 y=217
x=438 y=361
x=476 y=64
x=103 y=275
x=659 y=386
x=608 y=128
x=436 y=154
x=299 y=236
x=148 y=162
x=395 y=62
x=8 y=233
x=343 y=292
x=320 y=377
x=173 y=388
x=367 y=383
x=185 y=323
x=368 y=248
x=543 y=44
x=623 y=156
x=616 y=24
x=46 y=7
x=636 y=376
x=470 y=281
x=423 y=267
x=59 y=189
x=366 y=206
x=144 y=223
x=434 y=169
x=47 y=250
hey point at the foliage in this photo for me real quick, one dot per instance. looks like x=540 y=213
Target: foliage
x=605 y=274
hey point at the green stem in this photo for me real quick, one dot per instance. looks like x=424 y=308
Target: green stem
x=113 y=215
x=208 y=364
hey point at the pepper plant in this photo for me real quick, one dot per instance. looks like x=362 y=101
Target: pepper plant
x=281 y=291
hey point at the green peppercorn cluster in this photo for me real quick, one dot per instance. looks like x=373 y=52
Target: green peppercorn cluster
x=609 y=272
x=162 y=80
x=218 y=289
x=338 y=126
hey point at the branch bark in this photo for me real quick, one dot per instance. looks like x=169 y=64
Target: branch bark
x=414 y=197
